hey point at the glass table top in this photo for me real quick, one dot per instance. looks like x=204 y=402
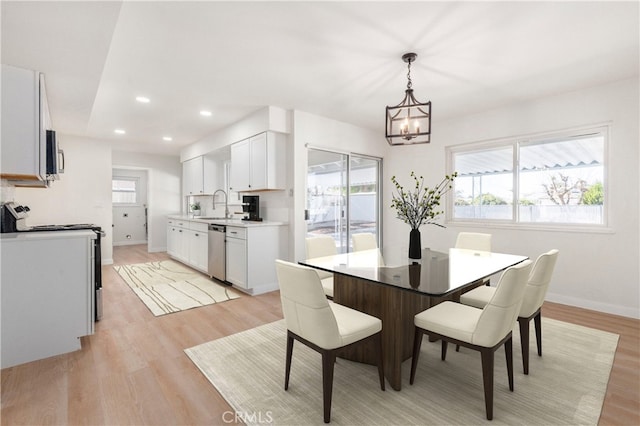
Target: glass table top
x=436 y=274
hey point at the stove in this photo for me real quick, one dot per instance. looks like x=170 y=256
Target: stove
x=12 y=219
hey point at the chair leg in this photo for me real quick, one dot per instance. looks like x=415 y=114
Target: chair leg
x=417 y=343
x=524 y=342
x=487 y=376
x=378 y=344
x=538 y=323
x=508 y=352
x=288 y=363
x=328 y=362
x=443 y=354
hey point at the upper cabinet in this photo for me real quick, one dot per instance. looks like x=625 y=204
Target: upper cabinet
x=201 y=175
x=192 y=176
x=25 y=121
x=258 y=163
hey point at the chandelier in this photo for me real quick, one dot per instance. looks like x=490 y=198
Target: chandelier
x=409 y=122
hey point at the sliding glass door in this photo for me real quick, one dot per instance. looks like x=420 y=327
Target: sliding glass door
x=343 y=196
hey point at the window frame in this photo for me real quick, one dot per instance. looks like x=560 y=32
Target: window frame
x=137 y=190
x=516 y=142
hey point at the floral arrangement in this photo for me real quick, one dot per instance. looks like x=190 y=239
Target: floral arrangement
x=419 y=206
x=195 y=206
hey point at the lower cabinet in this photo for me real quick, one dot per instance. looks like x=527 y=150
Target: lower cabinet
x=198 y=248
x=251 y=255
x=48 y=294
x=237 y=256
x=187 y=242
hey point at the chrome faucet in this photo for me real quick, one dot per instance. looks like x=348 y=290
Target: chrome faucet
x=226 y=205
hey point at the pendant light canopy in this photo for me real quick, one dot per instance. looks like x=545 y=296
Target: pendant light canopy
x=409 y=122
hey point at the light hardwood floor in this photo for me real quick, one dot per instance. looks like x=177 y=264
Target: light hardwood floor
x=133 y=370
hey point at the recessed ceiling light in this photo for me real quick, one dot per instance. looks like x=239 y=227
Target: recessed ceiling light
x=167 y=138
x=143 y=99
x=120 y=131
x=205 y=113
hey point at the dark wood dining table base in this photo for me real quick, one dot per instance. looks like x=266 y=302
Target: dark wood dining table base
x=396 y=308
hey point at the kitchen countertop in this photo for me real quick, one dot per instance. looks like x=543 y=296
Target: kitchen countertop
x=227 y=222
x=42 y=235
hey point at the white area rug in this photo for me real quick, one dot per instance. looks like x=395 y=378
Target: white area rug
x=168 y=286
x=565 y=386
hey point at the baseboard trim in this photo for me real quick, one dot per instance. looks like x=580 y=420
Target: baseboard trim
x=608 y=308
x=129 y=243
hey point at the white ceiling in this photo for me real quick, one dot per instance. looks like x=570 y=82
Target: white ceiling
x=336 y=59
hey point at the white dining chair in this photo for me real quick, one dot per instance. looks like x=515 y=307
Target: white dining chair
x=322 y=325
x=363 y=241
x=321 y=246
x=473 y=241
x=483 y=330
x=535 y=292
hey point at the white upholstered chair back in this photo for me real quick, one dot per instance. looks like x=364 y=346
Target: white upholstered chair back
x=364 y=241
x=319 y=247
x=538 y=284
x=474 y=241
x=499 y=315
x=304 y=305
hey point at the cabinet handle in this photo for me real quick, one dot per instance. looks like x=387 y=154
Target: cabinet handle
x=61 y=155
x=197 y=235
x=180 y=230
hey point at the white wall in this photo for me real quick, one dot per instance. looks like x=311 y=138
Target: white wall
x=83 y=193
x=164 y=187
x=320 y=132
x=268 y=118
x=595 y=270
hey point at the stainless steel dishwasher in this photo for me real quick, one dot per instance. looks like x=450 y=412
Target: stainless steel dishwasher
x=217 y=252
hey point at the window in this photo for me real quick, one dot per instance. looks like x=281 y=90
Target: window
x=124 y=190
x=540 y=179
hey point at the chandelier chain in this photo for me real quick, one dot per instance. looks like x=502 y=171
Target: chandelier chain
x=409 y=84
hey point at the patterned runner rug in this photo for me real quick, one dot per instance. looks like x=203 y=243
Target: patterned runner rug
x=565 y=386
x=168 y=286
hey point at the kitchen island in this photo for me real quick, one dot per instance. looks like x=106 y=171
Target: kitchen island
x=250 y=251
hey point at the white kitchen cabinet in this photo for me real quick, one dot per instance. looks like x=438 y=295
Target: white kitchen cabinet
x=46 y=308
x=197 y=237
x=192 y=176
x=236 y=257
x=251 y=256
x=258 y=163
x=187 y=242
x=240 y=166
x=25 y=120
x=200 y=175
x=211 y=173
x=172 y=238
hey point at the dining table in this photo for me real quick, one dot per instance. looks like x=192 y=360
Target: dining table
x=385 y=283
